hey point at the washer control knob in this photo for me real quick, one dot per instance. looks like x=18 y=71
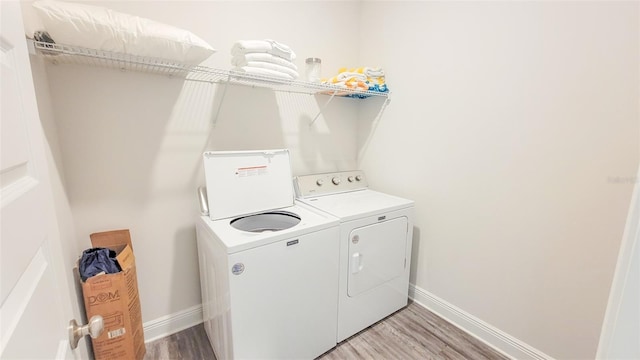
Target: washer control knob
x=336 y=180
x=358 y=177
x=351 y=179
x=319 y=182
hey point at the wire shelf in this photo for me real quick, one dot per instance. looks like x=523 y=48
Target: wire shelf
x=65 y=54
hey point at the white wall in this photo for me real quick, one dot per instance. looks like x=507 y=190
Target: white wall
x=511 y=126
x=131 y=143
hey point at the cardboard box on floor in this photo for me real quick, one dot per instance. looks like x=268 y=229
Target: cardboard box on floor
x=115 y=298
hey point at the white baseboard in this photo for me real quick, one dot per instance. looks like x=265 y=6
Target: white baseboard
x=493 y=337
x=172 y=323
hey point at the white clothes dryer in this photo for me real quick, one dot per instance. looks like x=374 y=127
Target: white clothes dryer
x=268 y=264
x=376 y=232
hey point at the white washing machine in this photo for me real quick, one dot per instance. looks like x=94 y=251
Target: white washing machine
x=375 y=245
x=268 y=264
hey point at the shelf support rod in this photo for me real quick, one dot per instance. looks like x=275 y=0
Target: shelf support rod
x=382 y=109
x=224 y=92
x=323 y=107
x=375 y=122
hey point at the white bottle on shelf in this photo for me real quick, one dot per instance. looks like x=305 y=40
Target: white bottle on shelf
x=313 y=69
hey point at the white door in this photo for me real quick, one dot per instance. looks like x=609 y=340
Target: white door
x=377 y=254
x=620 y=334
x=35 y=309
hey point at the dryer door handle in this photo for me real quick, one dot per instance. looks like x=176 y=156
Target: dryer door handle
x=356 y=263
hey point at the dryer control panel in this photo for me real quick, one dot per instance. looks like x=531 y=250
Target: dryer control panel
x=329 y=183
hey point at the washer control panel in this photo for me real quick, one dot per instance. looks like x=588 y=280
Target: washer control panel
x=329 y=183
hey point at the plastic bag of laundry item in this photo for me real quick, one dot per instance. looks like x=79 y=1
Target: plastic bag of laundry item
x=98 y=260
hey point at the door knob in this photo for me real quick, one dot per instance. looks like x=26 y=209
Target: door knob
x=94 y=328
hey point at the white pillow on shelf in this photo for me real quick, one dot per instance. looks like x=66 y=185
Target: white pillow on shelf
x=100 y=28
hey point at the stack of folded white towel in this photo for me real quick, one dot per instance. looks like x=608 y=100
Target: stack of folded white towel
x=264 y=57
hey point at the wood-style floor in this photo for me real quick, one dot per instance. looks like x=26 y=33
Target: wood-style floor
x=411 y=333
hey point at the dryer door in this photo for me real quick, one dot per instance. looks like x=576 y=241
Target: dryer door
x=376 y=254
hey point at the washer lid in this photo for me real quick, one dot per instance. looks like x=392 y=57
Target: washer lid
x=245 y=182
